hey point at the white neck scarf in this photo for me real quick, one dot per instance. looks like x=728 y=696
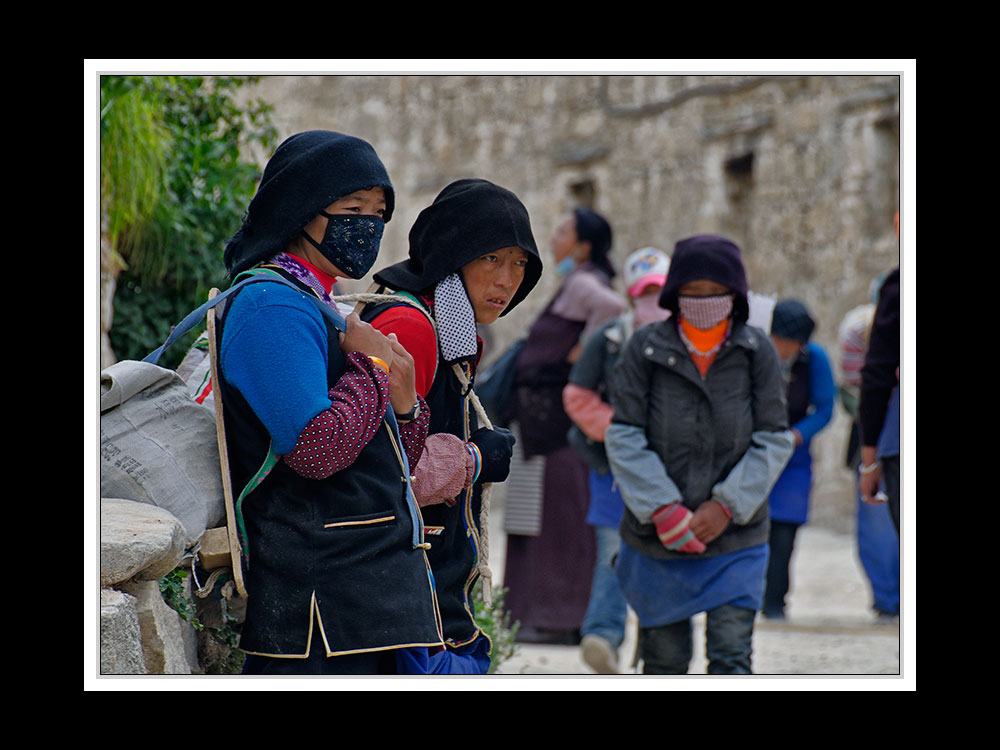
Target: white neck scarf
x=456 y=320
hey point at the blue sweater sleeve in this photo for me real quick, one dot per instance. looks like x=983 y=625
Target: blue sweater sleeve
x=274 y=351
x=822 y=394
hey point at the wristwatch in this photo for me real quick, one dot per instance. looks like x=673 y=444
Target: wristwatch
x=410 y=415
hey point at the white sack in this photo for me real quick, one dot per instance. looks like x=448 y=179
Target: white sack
x=159 y=447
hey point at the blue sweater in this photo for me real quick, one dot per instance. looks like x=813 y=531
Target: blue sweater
x=789 y=500
x=822 y=394
x=274 y=350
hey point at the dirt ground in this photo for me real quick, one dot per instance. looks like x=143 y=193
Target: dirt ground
x=830 y=631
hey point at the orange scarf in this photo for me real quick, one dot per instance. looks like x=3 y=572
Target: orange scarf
x=705 y=343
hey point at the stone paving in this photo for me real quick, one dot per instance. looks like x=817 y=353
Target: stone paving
x=830 y=629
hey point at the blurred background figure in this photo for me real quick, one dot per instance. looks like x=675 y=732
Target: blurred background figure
x=878 y=407
x=876 y=536
x=587 y=402
x=548 y=568
x=810 y=395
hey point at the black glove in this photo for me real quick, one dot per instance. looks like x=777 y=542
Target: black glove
x=496 y=446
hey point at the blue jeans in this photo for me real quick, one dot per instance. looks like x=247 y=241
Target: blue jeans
x=667 y=649
x=607 y=610
x=878 y=550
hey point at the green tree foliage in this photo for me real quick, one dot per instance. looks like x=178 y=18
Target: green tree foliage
x=175 y=188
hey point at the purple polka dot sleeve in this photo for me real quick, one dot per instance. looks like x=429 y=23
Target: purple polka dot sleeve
x=414 y=434
x=334 y=438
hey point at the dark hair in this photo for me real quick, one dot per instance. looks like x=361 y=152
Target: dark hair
x=593 y=228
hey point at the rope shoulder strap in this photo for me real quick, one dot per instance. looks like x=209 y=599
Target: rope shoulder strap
x=376 y=295
x=484 y=513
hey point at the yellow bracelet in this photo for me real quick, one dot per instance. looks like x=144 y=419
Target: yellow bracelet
x=380 y=363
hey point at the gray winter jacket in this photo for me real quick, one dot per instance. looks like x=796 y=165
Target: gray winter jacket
x=679 y=437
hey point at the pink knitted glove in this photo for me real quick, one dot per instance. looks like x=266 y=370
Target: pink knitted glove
x=673 y=527
x=445 y=469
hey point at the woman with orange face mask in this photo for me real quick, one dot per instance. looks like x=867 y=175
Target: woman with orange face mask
x=699 y=436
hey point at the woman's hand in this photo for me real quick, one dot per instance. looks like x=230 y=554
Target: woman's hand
x=708 y=521
x=870 y=476
x=402 y=378
x=361 y=337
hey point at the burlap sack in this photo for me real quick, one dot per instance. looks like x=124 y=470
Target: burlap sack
x=159 y=447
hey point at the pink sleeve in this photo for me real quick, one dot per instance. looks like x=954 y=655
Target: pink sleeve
x=334 y=438
x=586 y=298
x=586 y=408
x=445 y=469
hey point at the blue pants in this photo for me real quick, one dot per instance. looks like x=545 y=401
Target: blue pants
x=782 y=543
x=667 y=649
x=890 y=474
x=472 y=658
x=607 y=610
x=878 y=551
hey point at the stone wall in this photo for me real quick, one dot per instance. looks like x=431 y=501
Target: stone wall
x=802 y=171
x=139 y=633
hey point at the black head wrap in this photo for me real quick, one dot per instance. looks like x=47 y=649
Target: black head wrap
x=468 y=219
x=593 y=228
x=791 y=320
x=307 y=173
x=707 y=256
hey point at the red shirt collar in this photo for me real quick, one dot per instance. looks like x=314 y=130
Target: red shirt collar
x=323 y=277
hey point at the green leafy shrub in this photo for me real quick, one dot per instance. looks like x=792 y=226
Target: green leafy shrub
x=170 y=240
x=495 y=622
x=226 y=658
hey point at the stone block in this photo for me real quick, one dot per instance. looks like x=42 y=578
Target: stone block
x=214 y=551
x=164 y=645
x=121 y=643
x=138 y=541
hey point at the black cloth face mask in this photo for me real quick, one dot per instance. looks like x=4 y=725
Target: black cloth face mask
x=350 y=242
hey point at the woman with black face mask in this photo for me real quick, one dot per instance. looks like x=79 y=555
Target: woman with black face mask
x=325 y=509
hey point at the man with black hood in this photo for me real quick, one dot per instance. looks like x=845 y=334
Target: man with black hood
x=472 y=259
